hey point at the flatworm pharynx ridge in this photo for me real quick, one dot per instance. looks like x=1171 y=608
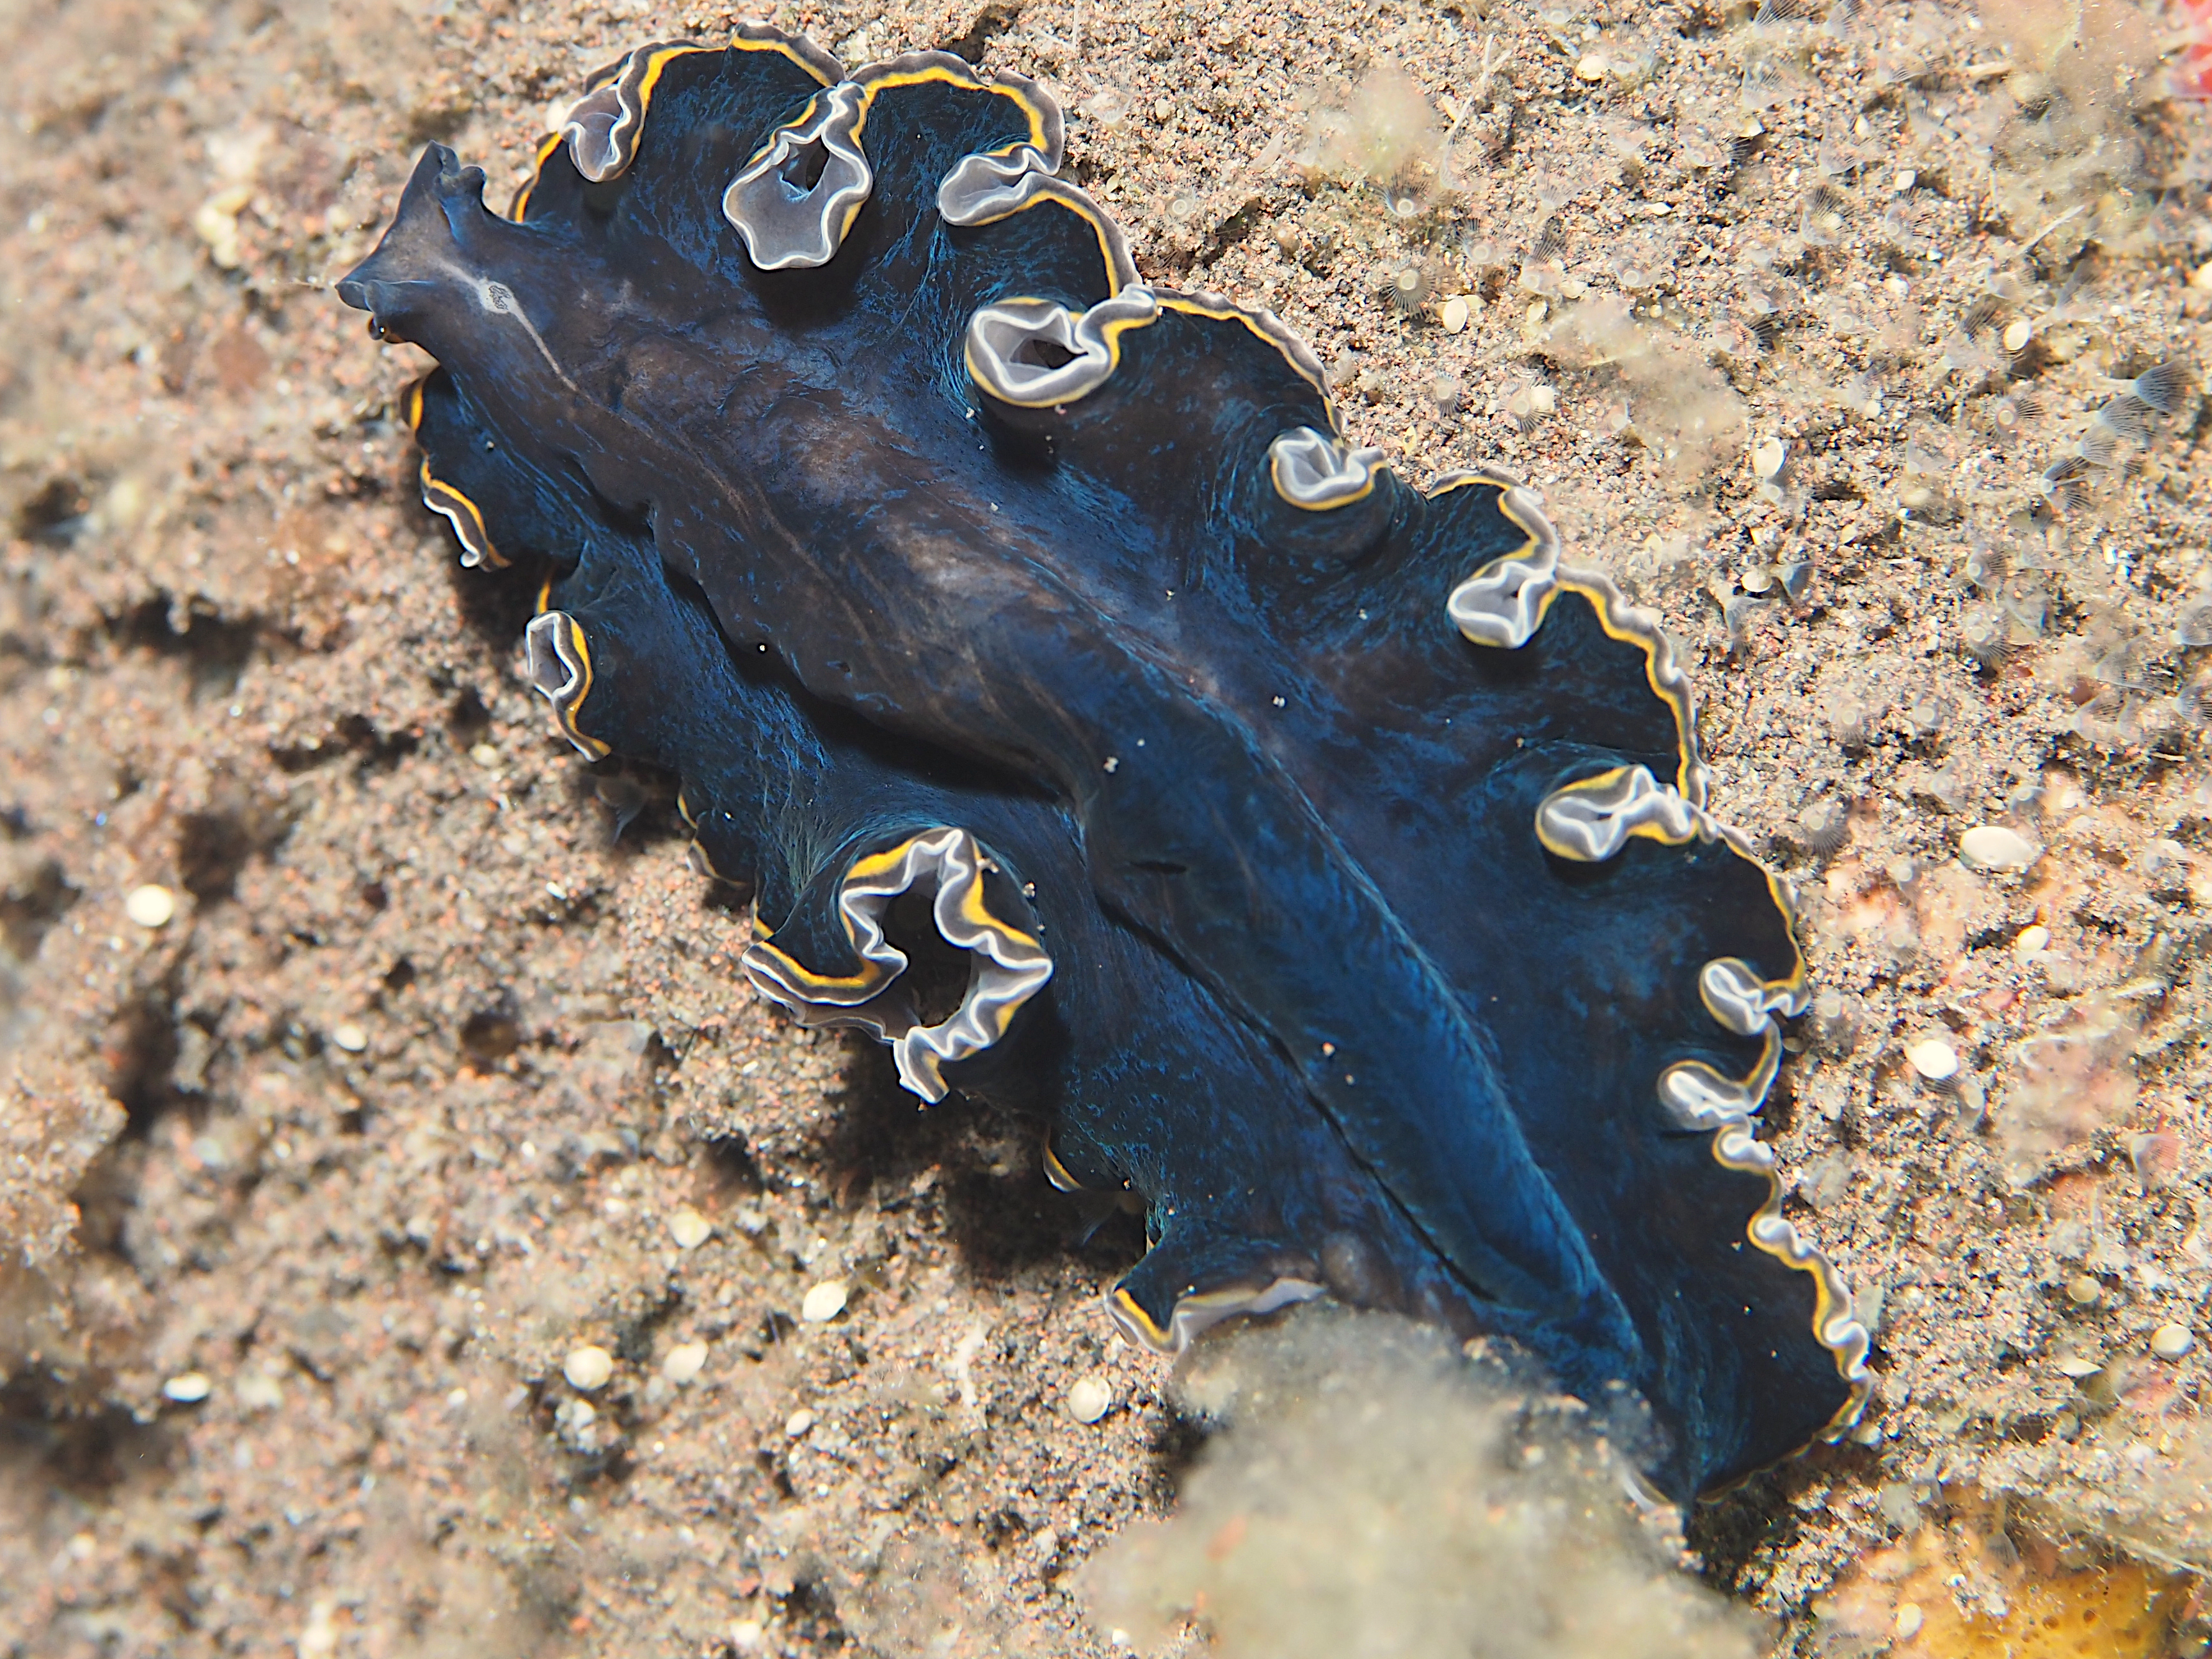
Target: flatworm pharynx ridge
x=1323 y=860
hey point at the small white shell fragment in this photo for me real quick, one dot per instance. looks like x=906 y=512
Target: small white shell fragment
x=1593 y=67
x=2170 y=1341
x=2019 y=334
x=215 y=223
x=588 y=1367
x=350 y=1037
x=150 y=906
x=1934 y=1059
x=1902 y=181
x=797 y=1423
x=685 y=1362
x=823 y=1302
x=2084 y=1291
x=1766 y=459
x=2033 y=941
x=1993 y=846
x=2077 y=1365
x=190 y=1387
x=1909 y=1618
x=1089 y=1398
x=1455 y=314
x=689 y=1229
x=746 y=1635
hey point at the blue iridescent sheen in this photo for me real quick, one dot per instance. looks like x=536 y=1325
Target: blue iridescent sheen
x=1330 y=866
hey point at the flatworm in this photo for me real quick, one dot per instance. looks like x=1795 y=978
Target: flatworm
x=1321 y=859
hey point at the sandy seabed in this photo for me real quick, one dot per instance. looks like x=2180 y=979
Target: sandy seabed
x=313 y=1178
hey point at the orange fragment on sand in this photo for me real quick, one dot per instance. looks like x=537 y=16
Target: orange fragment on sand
x=2022 y=1604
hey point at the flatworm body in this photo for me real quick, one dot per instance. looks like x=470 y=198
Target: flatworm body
x=1323 y=859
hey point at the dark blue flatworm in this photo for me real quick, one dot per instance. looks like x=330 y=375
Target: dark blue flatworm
x=1321 y=859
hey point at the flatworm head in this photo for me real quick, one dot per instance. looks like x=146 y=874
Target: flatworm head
x=1099 y=728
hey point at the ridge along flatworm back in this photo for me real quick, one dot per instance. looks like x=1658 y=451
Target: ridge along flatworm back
x=1323 y=860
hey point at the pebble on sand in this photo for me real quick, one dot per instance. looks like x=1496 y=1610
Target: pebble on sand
x=2170 y=1341
x=689 y=1229
x=824 y=1302
x=350 y=1037
x=685 y=1362
x=1993 y=846
x=1934 y=1059
x=150 y=906
x=1089 y=1398
x=588 y=1367
x=187 y=1388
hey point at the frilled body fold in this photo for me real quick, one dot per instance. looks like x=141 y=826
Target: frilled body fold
x=1324 y=860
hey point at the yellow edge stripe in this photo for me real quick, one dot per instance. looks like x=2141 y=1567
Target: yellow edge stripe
x=870 y=975
x=1236 y=1298
x=520 y=205
x=737 y=42
x=781 y=45
x=1364 y=491
x=1819 y=1266
x=1686 y=718
x=1113 y=332
x=1686 y=725
x=1138 y=1317
x=569 y=710
x=1057 y=1172
x=1591 y=786
x=490 y=555
x=1228 y=314
x=973 y=908
x=1685 y=712
x=698 y=850
x=969 y=82
x=807 y=979
x=1825 y=1279
x=1101 y=227
x=659 y=61
x=488 y=552
x=873 y=864
x=1115 y=329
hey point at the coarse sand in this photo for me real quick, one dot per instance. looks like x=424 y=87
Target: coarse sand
x=414 y=1239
